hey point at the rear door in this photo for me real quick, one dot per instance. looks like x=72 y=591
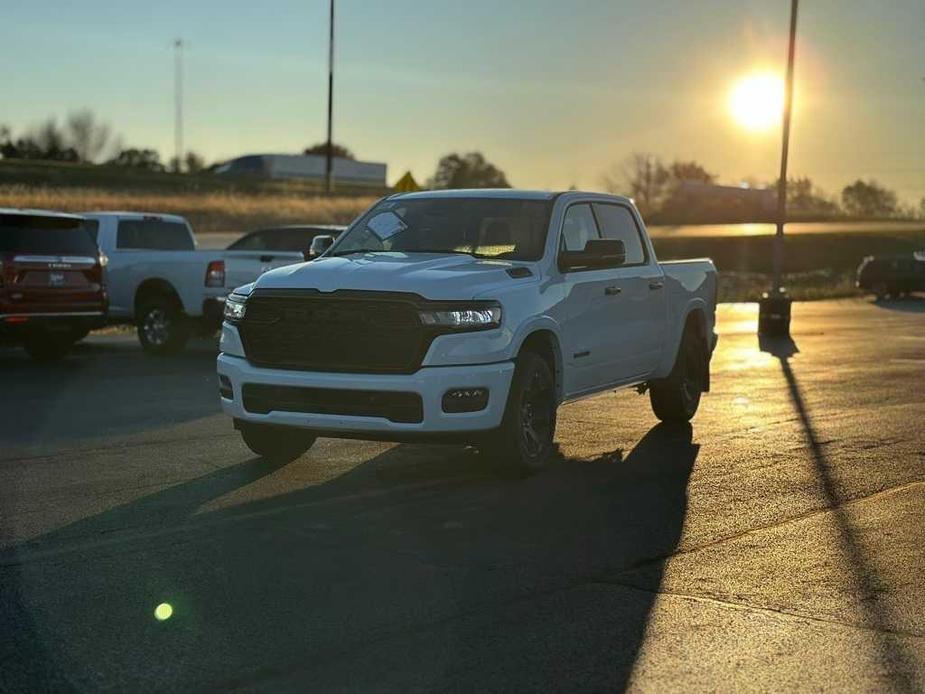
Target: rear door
x=49 y=265
x=642 y=309
x=137 y=238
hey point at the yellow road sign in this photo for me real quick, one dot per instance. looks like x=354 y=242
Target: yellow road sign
x=406 y=184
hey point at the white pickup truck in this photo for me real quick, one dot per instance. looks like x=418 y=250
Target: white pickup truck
x=158 y=280
x=466 y=316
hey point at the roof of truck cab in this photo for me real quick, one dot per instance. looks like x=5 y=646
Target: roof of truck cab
x=505 y=193
x=509 y=193
x=136 y=215
x=35 y=213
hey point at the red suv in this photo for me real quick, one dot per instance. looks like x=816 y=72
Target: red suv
x=52 y=289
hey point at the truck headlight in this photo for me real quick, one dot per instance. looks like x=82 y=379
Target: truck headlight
x=234 y=308
x=475 y=316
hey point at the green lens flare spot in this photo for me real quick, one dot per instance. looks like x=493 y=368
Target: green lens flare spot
x=163 y=612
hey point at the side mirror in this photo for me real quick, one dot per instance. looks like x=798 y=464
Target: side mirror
x=320 y=244
x=598 y=253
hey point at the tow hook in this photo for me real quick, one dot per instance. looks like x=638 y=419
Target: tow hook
x=642 y=388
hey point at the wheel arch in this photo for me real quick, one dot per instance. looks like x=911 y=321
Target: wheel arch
x=155 y=287
x=545 y=342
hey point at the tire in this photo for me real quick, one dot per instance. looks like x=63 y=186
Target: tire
x=162 y=329
x=274 y=443
x=677 y=397
x=42 y=346
x=881 y=291
x=523 y=444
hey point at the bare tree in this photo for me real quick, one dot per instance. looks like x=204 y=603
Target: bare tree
x=90 y=138
x=642 y=177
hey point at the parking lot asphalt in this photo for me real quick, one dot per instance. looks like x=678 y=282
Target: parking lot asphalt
x=774 y=544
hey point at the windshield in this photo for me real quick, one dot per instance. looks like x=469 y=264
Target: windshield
x=484 y=227
x=47 y=235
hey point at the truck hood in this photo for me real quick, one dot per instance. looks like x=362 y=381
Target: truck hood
x=432 y=276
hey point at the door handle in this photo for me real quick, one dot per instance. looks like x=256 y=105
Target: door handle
x=612 y=291
x=656 y=284
x=266 y=259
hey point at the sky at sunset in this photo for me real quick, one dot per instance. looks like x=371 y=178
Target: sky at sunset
x=552 y=92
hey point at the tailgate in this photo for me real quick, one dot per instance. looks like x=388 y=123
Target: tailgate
x=52 y=284
x=243 y=267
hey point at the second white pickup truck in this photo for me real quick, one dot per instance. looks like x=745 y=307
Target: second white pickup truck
x=160 y=281
x=466 y=316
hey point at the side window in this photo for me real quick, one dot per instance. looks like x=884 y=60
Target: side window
x=617 y=222
x=578 y=227
x=253 y=241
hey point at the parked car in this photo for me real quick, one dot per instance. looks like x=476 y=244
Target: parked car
x=894 y=276
x=265 y=249
x=157 y=279
x=466 y=316
x=52 y=291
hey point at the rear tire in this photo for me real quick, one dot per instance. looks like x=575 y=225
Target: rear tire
x=162 y=329
x=274 y=443
x=46 y=347
x=523 y=444
x=677 y=397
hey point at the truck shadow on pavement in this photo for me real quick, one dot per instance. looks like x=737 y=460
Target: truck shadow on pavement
x=102 y=390
x=894 y=656
x=362 y=582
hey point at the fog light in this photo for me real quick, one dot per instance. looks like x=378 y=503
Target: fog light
x=465 y=400
x=224 y=388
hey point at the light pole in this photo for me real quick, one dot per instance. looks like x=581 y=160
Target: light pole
x=328 y=167
x=774 y=308
x=178 y=101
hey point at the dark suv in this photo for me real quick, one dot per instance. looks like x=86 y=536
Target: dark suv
x=52 y=289
x=892 y=276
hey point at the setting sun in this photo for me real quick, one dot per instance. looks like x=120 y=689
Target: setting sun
x=757 y=100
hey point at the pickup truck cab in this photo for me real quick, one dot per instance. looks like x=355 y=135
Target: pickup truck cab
x=466 y=316
x=52 y=291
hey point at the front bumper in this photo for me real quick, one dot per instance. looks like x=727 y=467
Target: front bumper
x=430 y=383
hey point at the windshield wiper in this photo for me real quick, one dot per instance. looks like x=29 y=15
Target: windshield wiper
x=435 y=250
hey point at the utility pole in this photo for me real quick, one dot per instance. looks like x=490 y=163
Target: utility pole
x=774 y=309
x=178 y=101
x=329 y=160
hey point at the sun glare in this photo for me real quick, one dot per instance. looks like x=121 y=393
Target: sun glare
x=757 y=101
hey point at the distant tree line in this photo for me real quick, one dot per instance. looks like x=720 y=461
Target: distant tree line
x=667 y=193
x=82 y=138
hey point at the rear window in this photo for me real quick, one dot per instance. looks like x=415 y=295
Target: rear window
x=153 y=235
x=35 y=234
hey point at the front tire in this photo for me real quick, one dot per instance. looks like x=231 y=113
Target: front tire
x=524 y=442
x=162 y=329
x=274 y=443
x=677 y=397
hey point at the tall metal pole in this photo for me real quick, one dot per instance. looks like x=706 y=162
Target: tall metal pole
x=785 y=147
x=328 y=169
x=178 y=101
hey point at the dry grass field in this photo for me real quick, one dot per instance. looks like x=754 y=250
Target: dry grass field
x=206 y=211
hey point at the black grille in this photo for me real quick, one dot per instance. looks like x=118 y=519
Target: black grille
x=405 y=408
x=355 y=333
